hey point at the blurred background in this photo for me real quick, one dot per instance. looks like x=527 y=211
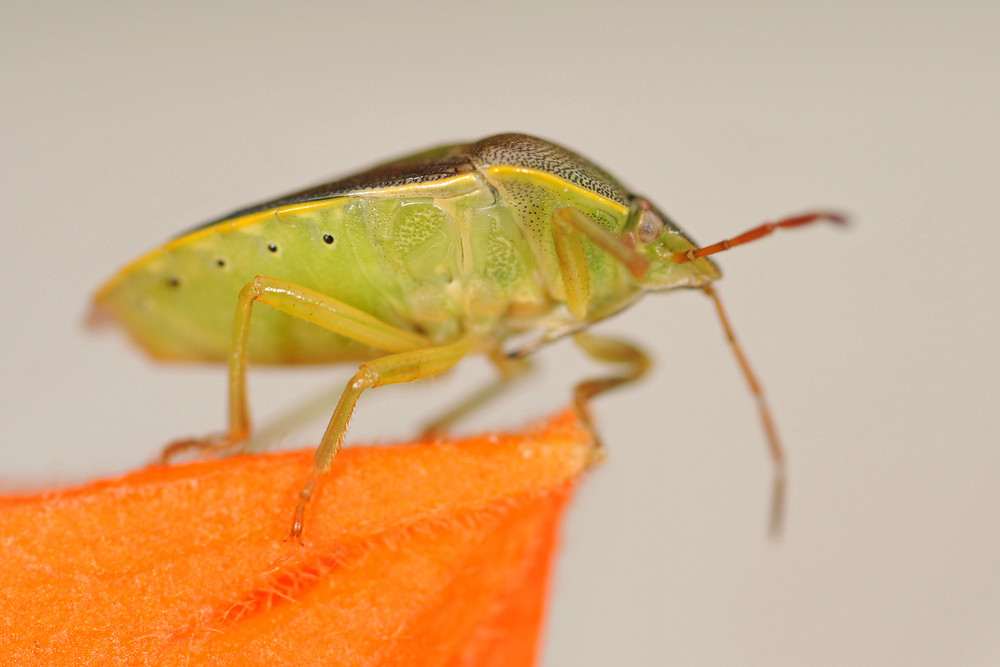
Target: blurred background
x=125 y=124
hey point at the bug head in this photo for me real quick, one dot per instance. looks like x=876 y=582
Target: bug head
x=658 y=240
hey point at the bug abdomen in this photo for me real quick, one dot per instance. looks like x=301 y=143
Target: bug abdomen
x=178 y=302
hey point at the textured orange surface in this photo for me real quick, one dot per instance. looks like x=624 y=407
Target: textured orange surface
x=421 y=554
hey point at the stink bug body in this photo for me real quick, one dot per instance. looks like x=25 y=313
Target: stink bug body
x=409 y=267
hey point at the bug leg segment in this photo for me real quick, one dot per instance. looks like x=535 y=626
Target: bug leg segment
x=568 y=221
x=756 y=233
x=572 y=260
x=303 y=303
x=391 y=369
x=510 y=369
x=610 y=350
x=569 y=228
x=773 y=442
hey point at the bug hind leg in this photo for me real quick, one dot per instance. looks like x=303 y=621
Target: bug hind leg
x=302 y=303
x=635 y=363
x=218 y=444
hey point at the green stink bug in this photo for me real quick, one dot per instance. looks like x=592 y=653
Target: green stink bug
x=412 y=265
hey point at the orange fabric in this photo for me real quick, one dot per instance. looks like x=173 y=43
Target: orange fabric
x=434 y=553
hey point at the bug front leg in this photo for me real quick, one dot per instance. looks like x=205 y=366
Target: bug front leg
x=391 y=369
x=609 y=350
x=305 y=304
x=569 y=227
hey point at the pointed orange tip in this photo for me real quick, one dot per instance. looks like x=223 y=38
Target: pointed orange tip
x=419 y=554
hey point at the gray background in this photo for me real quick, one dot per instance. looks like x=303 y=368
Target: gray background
x=123 y=125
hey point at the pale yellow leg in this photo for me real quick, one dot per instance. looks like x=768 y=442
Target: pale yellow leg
x=509 y=369
x=572 y=259
x=635 y=364
x=569 y=217
x=391 y=369
x=305 y=304
x=570 y=227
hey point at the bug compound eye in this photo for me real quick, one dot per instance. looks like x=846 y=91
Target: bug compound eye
x=650 y=227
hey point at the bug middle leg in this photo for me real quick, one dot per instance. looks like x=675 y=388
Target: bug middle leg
x=305 y=304
x=390 y=369
x=509 y=370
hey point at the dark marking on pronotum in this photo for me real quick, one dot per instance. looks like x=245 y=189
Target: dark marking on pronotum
x=328 y=238
x=221 y=263
x=173 y=281
x=273 y=247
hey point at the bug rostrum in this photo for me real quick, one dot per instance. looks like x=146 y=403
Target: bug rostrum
x=412 y=265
